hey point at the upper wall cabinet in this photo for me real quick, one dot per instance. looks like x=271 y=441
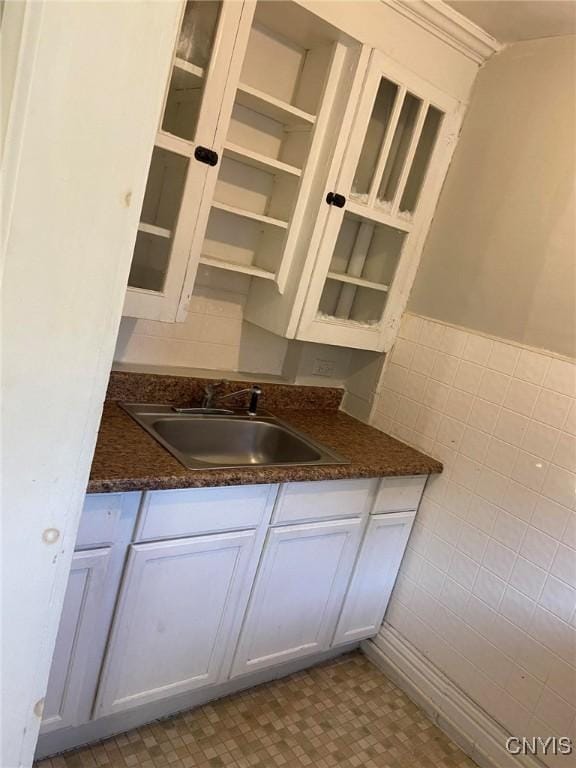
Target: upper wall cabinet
x=183 y=156
x=290 y=152
x=371 y=232
x=248 y=107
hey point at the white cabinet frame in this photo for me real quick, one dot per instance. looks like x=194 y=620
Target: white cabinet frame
x=139 y=656
x=380 y=336
x=276 y=616
x=373 y=577
x=68 y=701
x=210 y=131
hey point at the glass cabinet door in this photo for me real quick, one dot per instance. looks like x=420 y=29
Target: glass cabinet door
x=182 y=157
x=374 y=222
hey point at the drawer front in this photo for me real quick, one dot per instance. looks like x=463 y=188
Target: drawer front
x=323 y=500
x=399 y=494
x=100 y=517
x=169 y=514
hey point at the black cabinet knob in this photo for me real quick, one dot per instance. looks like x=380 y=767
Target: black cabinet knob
x=205 y=155
x=333 y=198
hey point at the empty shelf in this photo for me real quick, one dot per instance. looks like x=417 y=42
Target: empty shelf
x=250 y=215
x=359 y=281
x=256 y=160
x=152 y=229
x=188 y=67
x=271 y=107
x=376 y=214
x=244 y=269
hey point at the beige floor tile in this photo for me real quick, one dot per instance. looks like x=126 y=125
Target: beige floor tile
x=344 y=714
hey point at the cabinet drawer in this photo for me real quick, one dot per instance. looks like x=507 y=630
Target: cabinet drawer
x=100 y=516
x=399 y=494
x=326 y=499
x=168 y=514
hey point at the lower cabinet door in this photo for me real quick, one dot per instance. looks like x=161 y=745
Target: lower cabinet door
x=374 y=576
x=298 y=593
x=179 y=612
x=75 y=653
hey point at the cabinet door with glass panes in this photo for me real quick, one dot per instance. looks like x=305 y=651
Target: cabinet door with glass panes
x=400 y=145
x=288 y=82
x=183 y=157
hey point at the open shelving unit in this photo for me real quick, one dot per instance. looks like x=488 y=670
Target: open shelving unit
x=270 y=138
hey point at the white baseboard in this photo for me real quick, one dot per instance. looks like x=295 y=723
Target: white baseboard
x=464 y=721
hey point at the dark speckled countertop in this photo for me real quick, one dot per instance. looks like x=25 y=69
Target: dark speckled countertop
x=128 y=459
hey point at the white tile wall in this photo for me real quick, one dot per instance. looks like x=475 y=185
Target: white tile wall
x=487 y=589
x=214 y=335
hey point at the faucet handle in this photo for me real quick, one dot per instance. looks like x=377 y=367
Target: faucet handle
x=255 y=392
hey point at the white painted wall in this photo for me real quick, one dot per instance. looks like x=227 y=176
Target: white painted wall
x=11 y=26
x=85 y=134
x=500 y=256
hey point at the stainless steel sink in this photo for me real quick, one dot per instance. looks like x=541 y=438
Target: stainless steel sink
x=209 y=440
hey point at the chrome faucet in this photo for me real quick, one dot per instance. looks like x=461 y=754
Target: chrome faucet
x=210 y=394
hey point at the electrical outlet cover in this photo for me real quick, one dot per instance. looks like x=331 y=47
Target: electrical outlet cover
x=323 y=368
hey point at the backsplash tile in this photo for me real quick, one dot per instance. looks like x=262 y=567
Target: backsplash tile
x=214 y=335
x=487 y=589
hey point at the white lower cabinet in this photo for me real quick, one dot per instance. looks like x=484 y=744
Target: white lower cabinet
x=298 y=593
x=179 y=612
x=374 y=576
x=69 y=697
x=176 y=591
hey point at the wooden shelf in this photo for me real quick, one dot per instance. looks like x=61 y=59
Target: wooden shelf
x=256 y=160
x=378 y=216
x=271 y=107
x=152 y=229
x=250 y=215
x=244 y=269
x=359 y=281
x=186 y=66
x=175 y=144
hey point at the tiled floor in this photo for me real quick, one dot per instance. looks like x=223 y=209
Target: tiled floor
x=344 y=713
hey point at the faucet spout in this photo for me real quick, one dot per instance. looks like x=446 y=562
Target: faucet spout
x=210 y=392
x=255 y=391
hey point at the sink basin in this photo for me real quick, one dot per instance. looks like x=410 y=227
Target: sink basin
x=204 y=440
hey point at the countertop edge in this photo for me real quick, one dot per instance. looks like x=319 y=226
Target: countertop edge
x=296 y=475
